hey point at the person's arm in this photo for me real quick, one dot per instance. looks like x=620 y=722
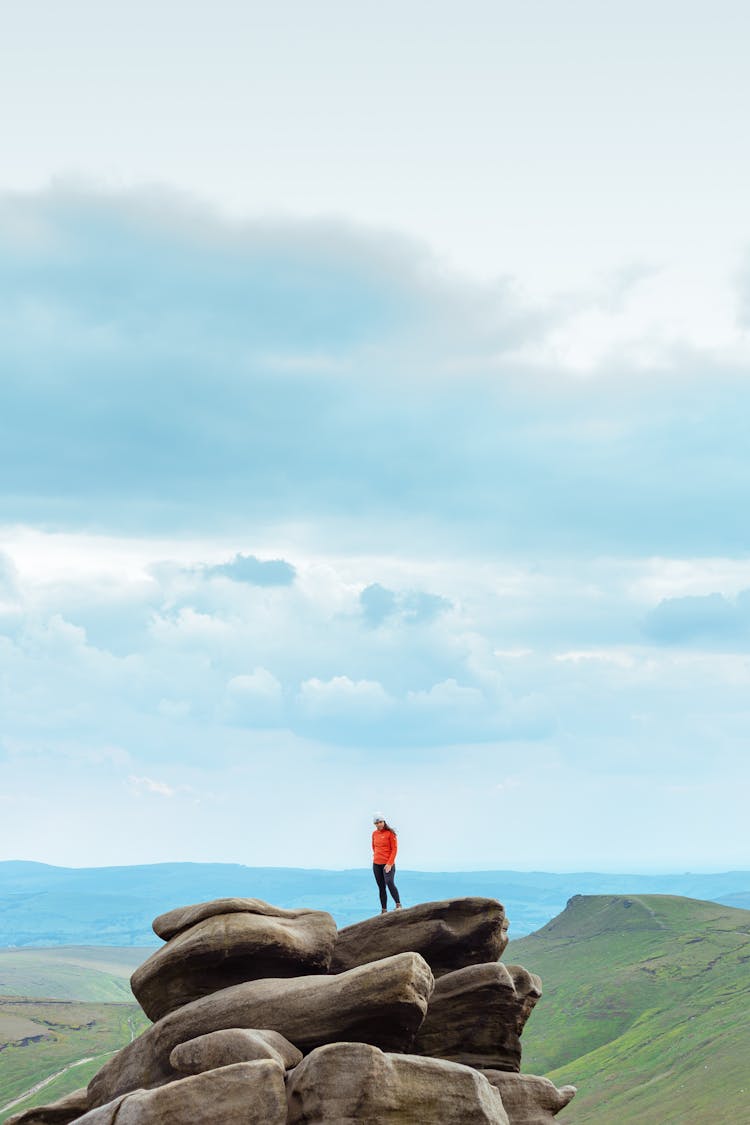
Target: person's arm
x=392 y=853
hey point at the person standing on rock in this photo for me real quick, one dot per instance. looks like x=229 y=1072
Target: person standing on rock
x=384 y=848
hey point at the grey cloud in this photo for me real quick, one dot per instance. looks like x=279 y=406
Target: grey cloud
x=378 y=603
x=164 y=369
x=257 y=572
x=420 y=607
x=415 y=607
x=711 y=618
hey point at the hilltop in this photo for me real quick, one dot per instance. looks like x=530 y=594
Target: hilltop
x=646 y=1007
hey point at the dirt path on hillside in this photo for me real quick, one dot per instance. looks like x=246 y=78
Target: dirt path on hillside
x=50 y=1078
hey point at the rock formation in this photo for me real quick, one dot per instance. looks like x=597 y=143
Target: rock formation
x=235 y=1044
x=449 y=935
x=529 y=1100
x=250 y=1093
x=228 y=942
x=356 y=1082
x=269 y=1016
x=382 y=1003
x=476 y=1016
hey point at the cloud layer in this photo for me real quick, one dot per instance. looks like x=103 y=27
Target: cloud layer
x=170 y=681
x=165 y=369
x=296 y=524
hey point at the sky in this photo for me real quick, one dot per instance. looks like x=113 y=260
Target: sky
x=373 y=400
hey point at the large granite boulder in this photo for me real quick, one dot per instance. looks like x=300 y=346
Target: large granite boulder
x=381 y=1003
x=62 y=1112
x=449 y=935
x=529 y=1100
x=233 y=1045
x=217 y=944
x=250 y=1093
x=476 y=1016
x=353 y=1082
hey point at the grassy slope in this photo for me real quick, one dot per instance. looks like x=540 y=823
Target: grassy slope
x=72 y=1031
x=66 y=1083
x=645 y=1009
x=98 y=973
x=65 y=995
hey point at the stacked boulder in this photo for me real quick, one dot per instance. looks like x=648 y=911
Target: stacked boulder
x=264 y=1016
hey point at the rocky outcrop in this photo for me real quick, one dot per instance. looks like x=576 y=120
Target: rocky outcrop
x=382 y=1003
x=449 y=935
x=215 y=945
x=353 y=1082
x=250 y=1093
x=169 y=925
x=62 y=1112
x=530 y=1100
x=235 y=1044
x=477 y=1014
x=315 y=1028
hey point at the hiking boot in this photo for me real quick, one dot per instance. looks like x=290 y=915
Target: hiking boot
x=399 y=906
x=384 y=910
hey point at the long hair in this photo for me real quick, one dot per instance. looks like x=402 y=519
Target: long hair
x=388 y=828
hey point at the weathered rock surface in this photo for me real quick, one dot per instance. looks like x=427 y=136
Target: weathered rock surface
x=382 y=1003
x=62 y=1112
x=353 y=1082
x=222 y=949
x=476 y=1016
x=449 y=935
x=250 y=1093
x=172 y=923
x=235 y=1044
x=529 y=1100
x=105 y=1114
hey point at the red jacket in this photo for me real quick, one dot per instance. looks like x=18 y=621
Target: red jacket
x=384 y=846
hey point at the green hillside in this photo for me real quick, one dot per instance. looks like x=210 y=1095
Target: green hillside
x=44 y=1038
x=62 y=1012
x=646 y=1009
x=95 y=973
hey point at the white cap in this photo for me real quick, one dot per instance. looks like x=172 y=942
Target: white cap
x=378 y=816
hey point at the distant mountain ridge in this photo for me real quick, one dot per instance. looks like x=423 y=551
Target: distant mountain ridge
x=43 y=905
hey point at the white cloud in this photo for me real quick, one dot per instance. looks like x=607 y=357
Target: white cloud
x=260 y=684
x=508 y=785
x=148 y=786
x=447 y=695
x=174 y=708
x=340 y=695
x=533 y=665
x=191 y=628
x=661 y=578
x=617 y=658
x=660 y=313
x=253 y=698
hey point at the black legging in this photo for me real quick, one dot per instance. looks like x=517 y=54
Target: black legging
x=385 y=879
